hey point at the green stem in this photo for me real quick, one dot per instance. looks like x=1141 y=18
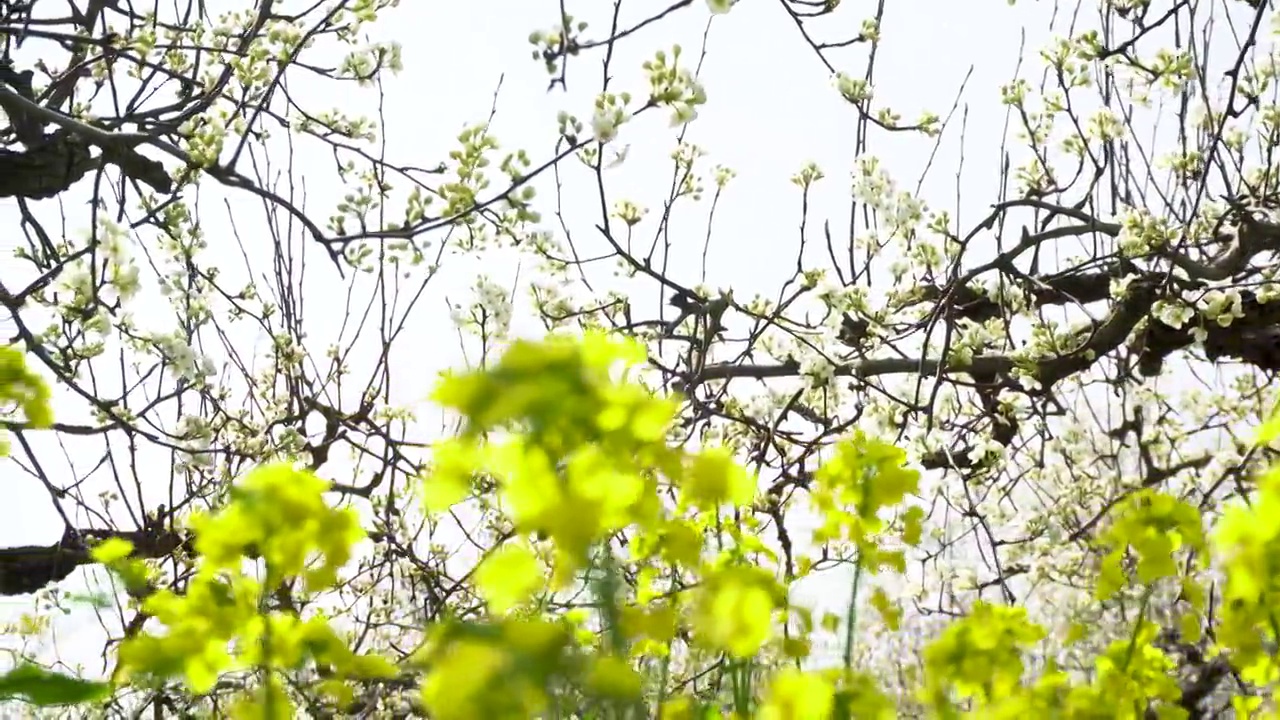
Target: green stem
x=269 y=695
x=606 y=592
x=664 y=678
x=1137 y=626
x=851 y=616
x=740 y=671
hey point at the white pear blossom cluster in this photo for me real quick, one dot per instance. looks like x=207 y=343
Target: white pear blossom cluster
x=489 y=312
x=195 y=432
x=779 y=346
x=1118 y=288
x=855 y=90
x=552 y=302
x=629 y=212
x=1012 y=404
x=1048 y=339
x=551 y=46
x=1011 y=297
x=670 y=86
x=364 y=63
x=872 y=184
x=722 y=175
x=1218 y=305
x=973 y=338
x=203 y=137
x=925 y=255
x=187 y=294
x=808 y=175
x=685 y=156
x=818 y=368
x=763 y=401
x=1025 y=377
x=874 y=187
x=85 y=287
x=121 y=269
x=610 y=113
x=185 y=362
x=1173 y=313
x=1105 y=126
x=196 y=437
x=884 y=416
x=1221 y=306
x=674 y=87
x=842 y=298
x=1141 y=232
x=986 y=451
x=78 y=289
x=287 y=441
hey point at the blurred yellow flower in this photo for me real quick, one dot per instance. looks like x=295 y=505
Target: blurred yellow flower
x=508 y=577
x=796 y=695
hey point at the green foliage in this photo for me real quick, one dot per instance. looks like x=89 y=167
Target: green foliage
x=578 y=450
x=21 y=387
x=980 y=656
x=41 y=687
x=1248 y=540
x=277 y=514
x=1154 y=527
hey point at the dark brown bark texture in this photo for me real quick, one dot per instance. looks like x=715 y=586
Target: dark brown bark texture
x=29 y=568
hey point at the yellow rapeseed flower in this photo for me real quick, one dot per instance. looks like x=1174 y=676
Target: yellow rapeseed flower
x=736 y=611
x=508 y=577
x=796 y=695
x=459 y=681
x=714 y=478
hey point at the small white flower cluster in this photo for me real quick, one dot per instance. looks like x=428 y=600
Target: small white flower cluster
x=185 y=363
x=761 y=402
x=842 y=298
x=122 y=271
x=986 y=451
x=818 y=368
x=808 y=175
x=1118 y=288
x=112 y=278
x=1141 y=232
x=873 y=186
x=1105 y=126
x=973 y=339
x=674 y=87
x=885 y=417
x=1026 y=378
x=489 y=313
x=194 y=431
x=1172 y=312
x=629 y=212
x=855 y=90
x=203 y=137
x=365 y=63
x=1221 y=306
x=610 y=113
x=196 y=437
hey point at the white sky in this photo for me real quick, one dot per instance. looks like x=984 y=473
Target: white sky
x=771 y=109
